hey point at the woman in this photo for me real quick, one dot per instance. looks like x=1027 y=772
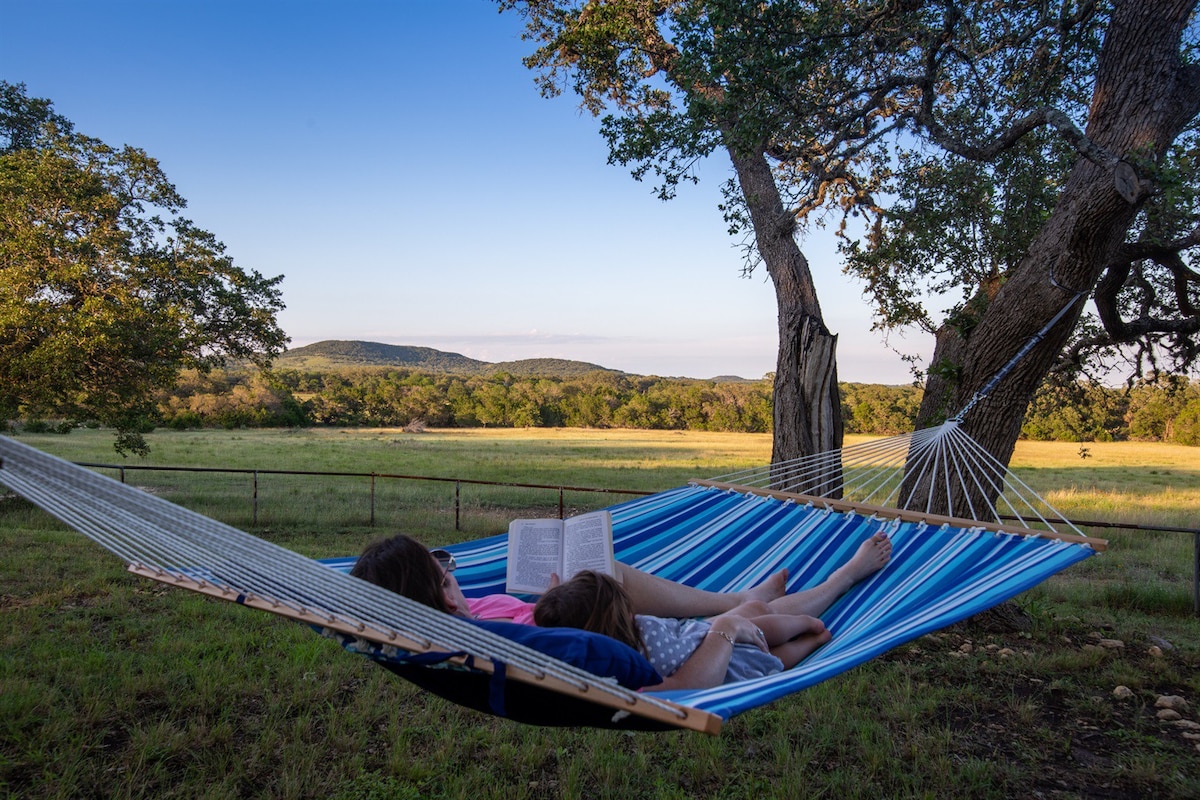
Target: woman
x=748 y=642
x=405 y=566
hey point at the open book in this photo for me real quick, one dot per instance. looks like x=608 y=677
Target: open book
x=539 y=547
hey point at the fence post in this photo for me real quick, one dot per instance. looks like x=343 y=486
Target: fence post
x=560 y=502
x=457 y=488
x=122 y=471
x=1196 y=573
x=255 y=514
x=372 y=499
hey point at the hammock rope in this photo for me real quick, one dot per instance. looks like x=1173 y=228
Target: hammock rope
x=874 y=474
x=708 y=534
x=161 y=540
x=1025 y=349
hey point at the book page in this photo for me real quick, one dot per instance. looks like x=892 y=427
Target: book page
x=534 y=552
x=588 y=544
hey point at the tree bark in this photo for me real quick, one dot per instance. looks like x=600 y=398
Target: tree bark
x=1143 y=99
x=807 y=413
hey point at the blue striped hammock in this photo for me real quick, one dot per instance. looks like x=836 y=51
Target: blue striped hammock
x=725 y=539
x=708 y=534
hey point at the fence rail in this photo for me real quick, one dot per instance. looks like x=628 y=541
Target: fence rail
x=121 y=469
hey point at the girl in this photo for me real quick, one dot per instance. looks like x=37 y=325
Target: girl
x=747 y=642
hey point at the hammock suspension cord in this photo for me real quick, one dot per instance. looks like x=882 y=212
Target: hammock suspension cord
x=155 y=536
x=889 y=472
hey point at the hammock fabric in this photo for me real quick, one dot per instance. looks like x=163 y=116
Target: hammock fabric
x=710 y=535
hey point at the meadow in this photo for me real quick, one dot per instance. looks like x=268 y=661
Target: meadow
x=114 y=687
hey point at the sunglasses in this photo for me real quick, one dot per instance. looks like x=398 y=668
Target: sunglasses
x=444 y=558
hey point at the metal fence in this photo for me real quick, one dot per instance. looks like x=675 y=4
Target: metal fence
x=374 y=477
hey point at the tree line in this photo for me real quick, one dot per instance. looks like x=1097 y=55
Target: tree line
x=1166 y=410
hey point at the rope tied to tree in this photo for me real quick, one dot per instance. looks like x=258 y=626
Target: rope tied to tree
x=1003 y=372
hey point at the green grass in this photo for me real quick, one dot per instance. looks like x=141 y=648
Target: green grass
x=112 y=686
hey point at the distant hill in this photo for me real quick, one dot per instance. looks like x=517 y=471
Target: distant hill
x=335 y=354
x=327 y=354
x=548 y=367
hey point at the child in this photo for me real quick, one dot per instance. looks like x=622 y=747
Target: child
x=748 y=642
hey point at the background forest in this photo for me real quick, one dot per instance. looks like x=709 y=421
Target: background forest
x=1167 y=410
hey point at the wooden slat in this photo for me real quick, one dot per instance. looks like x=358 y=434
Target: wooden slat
x=866 y=509
x=674 y=714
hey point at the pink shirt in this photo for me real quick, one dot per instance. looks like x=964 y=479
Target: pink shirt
x=501 y=606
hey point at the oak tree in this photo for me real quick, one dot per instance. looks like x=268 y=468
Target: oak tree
x=106 y=292
x=654 y=70
x=1027 y=147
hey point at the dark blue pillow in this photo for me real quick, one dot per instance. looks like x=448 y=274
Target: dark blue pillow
x=599 y=655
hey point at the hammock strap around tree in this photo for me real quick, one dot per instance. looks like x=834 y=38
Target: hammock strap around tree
x=1024 y=351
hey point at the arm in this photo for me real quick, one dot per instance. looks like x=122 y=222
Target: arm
x=707 y=665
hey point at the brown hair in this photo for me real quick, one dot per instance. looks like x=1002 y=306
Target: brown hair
x=403 y=565
x=593 y=602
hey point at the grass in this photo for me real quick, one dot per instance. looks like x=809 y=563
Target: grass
x=114 y=687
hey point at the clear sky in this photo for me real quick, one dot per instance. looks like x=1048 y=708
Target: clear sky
x=395 y=162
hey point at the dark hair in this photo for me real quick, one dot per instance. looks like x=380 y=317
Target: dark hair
x=593 y=602
x=403 y=565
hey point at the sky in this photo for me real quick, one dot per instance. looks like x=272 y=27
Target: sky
x=395 y=162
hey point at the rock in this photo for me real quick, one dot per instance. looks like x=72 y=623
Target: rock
x=1168 y=715
x=1111 y=644
x=1122 y=693
x=1187 y=724
x=1171 y=701
x=1006 y=652
x=967 y=648
x=1155 y=651
x=1161 y=643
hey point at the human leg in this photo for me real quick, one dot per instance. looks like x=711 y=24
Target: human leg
x=779 y=629
x=793 y=652
x=870 y=557
x=652 y=594
x=661 y=597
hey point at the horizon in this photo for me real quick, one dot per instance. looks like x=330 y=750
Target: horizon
x=457 y=210
x=735 y=376
x=747 y=378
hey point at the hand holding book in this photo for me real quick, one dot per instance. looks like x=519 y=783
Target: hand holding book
x=540 y=548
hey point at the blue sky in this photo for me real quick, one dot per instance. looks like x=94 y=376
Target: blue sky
x=395 y=162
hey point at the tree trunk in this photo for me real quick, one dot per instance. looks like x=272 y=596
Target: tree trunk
x=808 y=415
x=1144 y=97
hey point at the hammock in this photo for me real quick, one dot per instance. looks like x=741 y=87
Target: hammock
x=715 y=535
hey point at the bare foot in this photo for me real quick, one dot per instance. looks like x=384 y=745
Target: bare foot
x=871 y=556
x=774 y=586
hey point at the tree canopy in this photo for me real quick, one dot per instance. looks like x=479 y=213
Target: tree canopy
x=106 y=292
x=1007 y=158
